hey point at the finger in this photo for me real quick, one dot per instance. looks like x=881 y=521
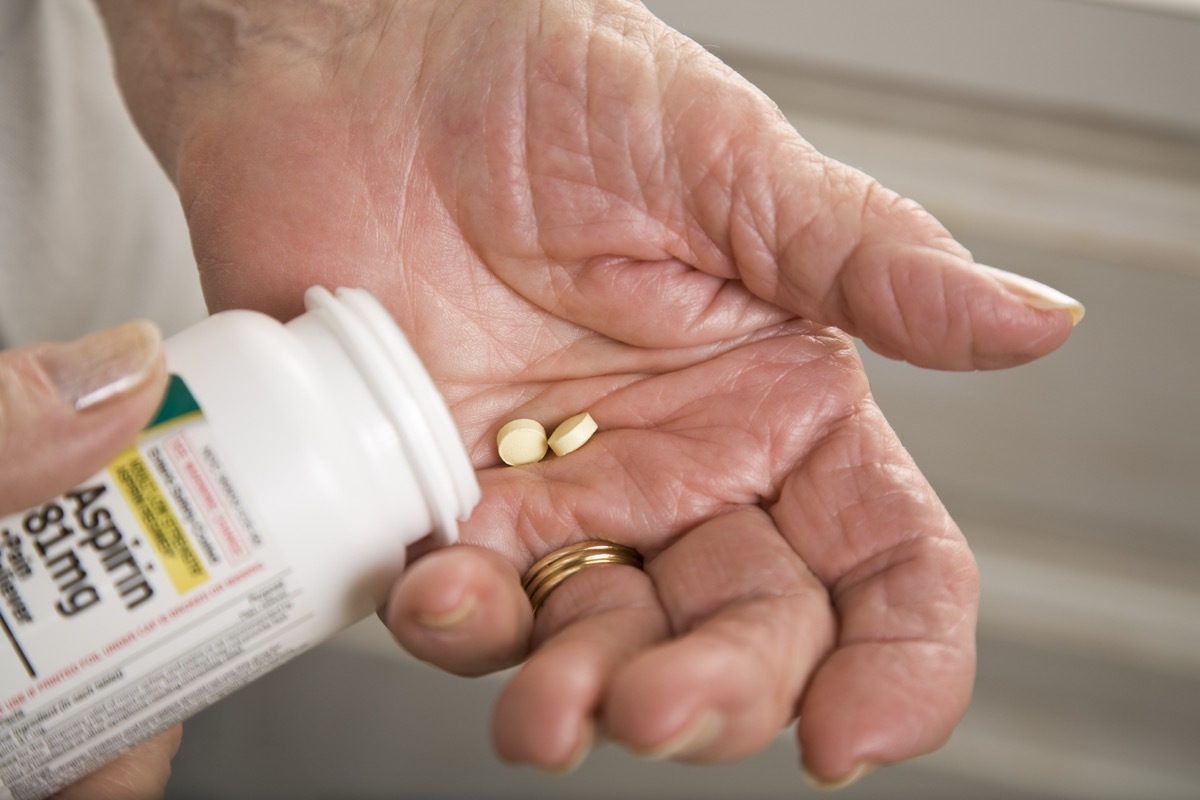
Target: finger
x=66 y=409
x=905 y=588
x=140 y=773
x=461 y=609
x=757 y=622
x=589 y=625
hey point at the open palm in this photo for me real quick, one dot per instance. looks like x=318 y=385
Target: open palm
x=571 y=207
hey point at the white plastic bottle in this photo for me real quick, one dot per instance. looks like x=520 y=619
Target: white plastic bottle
x=267 y=506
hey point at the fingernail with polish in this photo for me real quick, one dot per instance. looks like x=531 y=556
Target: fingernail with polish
x=831 y=785
x=1036 y=295
x=101 y=365
x=697 y=736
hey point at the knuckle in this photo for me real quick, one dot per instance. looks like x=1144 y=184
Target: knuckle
x=24 y=388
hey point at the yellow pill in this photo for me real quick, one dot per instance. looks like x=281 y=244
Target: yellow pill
x=572 y=433
x=522 y=441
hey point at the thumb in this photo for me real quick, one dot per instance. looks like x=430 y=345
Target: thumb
x=67 y=409
x=829 y=243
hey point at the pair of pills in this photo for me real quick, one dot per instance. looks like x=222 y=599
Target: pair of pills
x=524 y=441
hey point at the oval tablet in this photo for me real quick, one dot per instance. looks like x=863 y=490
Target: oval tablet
x=522 y=441
x=572 y=433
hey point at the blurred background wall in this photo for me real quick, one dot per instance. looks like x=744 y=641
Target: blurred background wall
x=1057 y=139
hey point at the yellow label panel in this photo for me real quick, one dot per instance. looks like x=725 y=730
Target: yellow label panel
x=170 y=541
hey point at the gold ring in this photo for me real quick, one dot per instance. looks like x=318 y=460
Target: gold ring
x=548 y=573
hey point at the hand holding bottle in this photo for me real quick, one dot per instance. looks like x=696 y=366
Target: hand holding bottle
x=65 y=410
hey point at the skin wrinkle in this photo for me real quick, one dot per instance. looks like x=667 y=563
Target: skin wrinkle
x=838 y=284
x=929 y=339
x=551 y=617
x=742 y=482
x=464 y=184
x=891 y=626
x=763 y=437
x=877 y=492
x=583 y=154
x=855 y=252
x=843 y=412
x=589 y=123
x=658 y=361
x=748 y=221
x=734 y=594
x=731 y=490
x=528 y=70
x=764 y=430
x=502 y=356
x=637 y=494
x=829 y=436
x=626 y=148
x=716 y=166
x=916 y=550
x=529 y=514
x=761 y=211
x=712 y=256
x=894 y=309
x=653 y=170
x=666 y=75
x=598 y=134
x=719 y=312
x=781 y=284
x=734 y=211
x=707 y=315
x=778 y=440
x=699 y=198
x=415 y=98
x=555 y=355
x=957 y=325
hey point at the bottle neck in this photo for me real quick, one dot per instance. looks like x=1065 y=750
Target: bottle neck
x=404 y=394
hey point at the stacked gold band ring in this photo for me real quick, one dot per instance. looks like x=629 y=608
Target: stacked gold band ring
x=548 y=573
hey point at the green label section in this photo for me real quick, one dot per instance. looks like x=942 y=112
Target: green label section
x=177 y=403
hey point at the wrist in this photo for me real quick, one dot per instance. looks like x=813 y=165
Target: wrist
x=177 y=62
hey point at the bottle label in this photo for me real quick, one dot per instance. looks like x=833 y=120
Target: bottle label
x=131 y=601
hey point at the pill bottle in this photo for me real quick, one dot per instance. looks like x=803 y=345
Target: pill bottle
x=268 y=505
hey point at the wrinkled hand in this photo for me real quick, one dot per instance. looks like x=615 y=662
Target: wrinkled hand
x=570 y=206
x=65 y=411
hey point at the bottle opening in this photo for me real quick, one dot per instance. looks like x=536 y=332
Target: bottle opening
x=405 y=391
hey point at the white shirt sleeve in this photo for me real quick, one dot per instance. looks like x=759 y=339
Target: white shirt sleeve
x=91 y=232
